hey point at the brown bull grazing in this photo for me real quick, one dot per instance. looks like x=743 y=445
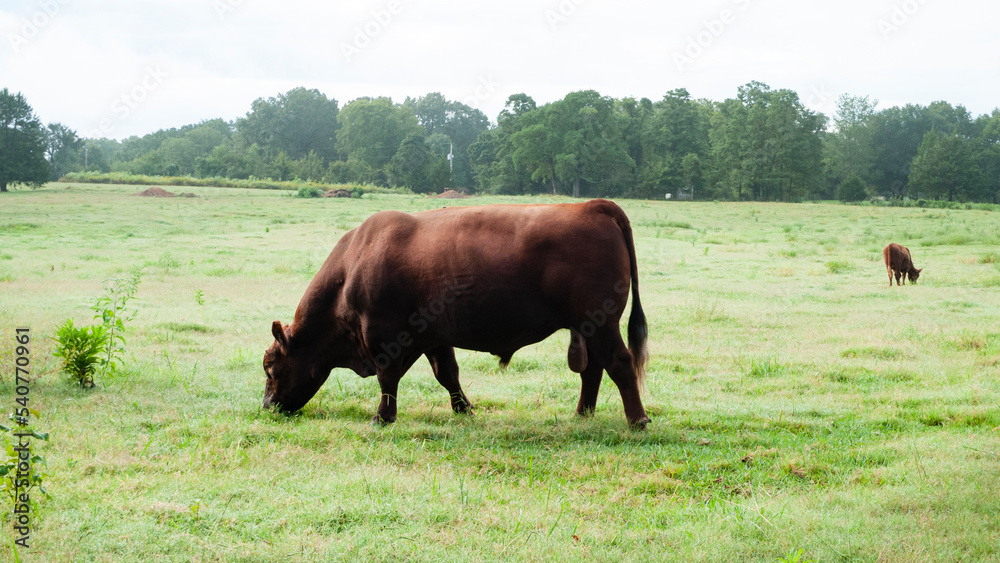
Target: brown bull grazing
x=899 y=263
x=490 y=278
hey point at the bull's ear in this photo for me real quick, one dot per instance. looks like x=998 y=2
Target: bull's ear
x=279 y=334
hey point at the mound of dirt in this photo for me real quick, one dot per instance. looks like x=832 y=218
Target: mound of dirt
x=188 y=194
x=155 y=192
x=337 y=193
x=450 y=194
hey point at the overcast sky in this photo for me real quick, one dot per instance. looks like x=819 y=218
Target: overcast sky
x=114 y=68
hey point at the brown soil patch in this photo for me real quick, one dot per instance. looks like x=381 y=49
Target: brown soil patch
x=450 y=194
x=337 y=193
x=155 y=192
x=187 y=194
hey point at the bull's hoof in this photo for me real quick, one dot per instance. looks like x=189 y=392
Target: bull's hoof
x=377 y=420
x=639 y=424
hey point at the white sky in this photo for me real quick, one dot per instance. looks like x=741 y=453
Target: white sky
x=115 y=68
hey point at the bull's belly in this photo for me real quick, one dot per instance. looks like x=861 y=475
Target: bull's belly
x=498 y=335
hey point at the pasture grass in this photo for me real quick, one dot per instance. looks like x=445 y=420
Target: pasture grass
x=800 y=410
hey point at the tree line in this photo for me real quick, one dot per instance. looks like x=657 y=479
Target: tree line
x=761 y=145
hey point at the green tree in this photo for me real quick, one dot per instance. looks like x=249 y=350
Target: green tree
x=676 y=127
x=309 y=167
x=577 y=142
x=233 y=160
x=296 y=122
x=22 y=143
x=593 y=148
x=176 y=157
x=493 y=166
x=64 y=150
x=94 y=159
x=766 y=144
x=988 y=155
x=415 y=166
x=849 y=146
x=692 y=173
x=109 y=149
x=945 y=168
x=897 y=133
x=281 y=167
x=372 y=130
x=492 y=154
x=637 y=114
x=536 y=145
x=852 y=188
x=351 y=171
x=460 y=123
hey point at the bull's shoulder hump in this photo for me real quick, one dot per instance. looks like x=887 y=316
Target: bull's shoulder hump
x=386 y=221
x=389 y=218
x=519 y=209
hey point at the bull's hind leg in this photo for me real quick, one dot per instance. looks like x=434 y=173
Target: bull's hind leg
x=609 y=350
x=579 y=359
x=445 y=368
x=590 y=379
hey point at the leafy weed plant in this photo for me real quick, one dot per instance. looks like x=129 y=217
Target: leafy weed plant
x=112 y=309
x=81 y=350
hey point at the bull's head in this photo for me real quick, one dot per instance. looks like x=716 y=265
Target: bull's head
x=294 y=374
x=914 y=274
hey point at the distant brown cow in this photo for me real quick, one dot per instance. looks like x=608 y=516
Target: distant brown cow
x=899 y=263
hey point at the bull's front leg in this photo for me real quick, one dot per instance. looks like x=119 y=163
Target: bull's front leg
x=388 y=382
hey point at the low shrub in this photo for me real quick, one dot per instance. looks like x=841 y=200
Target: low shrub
x=80 y=349
x=122 y=178
x=309 y=192
x=839 y=266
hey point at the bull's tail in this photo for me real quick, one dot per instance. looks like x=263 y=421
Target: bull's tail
x=637 y=330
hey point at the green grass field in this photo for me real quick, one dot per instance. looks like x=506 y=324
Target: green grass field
x=802 y=409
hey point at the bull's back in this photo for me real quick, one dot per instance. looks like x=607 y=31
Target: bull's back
x=546 y=247
x=503 y=270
